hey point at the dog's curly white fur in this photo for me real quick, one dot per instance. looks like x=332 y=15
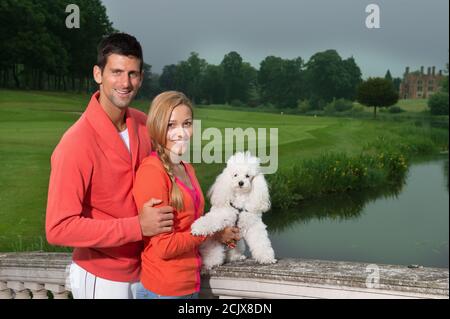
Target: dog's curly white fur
x=239 y=195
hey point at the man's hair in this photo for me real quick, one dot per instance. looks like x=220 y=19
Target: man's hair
x=118 y=43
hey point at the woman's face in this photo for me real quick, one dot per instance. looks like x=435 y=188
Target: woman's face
x=179 y=130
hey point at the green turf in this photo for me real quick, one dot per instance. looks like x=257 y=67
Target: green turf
x=31 y=123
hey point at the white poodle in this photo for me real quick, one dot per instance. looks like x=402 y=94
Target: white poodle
x=238 y=197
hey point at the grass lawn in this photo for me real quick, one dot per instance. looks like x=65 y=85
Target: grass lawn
x=31 y=124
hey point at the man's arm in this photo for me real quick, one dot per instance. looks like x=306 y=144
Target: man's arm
x=70 y=178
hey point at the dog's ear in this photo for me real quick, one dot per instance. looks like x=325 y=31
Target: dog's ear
x=259 y=198
x=220 y=193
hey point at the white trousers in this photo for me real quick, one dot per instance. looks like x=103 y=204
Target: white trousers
x=85 y=285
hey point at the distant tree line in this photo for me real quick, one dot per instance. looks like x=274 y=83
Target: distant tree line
x=37 y=51
x=279 y=82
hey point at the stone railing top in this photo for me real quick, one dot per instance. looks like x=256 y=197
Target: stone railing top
x=422 y=280
x=39 y=266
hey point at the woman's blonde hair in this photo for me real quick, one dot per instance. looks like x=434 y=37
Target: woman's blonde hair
x=157 y=125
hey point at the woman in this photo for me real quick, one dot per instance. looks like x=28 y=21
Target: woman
x=170 y=261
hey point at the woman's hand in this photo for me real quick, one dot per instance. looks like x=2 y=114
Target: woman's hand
x=228 y=236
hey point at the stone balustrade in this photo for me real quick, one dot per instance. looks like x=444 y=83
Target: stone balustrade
x=42 y=275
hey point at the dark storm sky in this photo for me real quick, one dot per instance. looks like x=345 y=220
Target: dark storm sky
x=412 y=32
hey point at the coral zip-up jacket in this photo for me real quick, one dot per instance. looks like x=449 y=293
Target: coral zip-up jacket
x=171 y=262
x=90 y=203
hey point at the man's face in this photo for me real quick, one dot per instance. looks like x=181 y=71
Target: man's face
x=120 y=80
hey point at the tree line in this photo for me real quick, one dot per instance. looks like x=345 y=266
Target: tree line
x=280 y=82
x=37 y=51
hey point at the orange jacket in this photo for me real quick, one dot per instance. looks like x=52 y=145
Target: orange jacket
x=171 y=262
x=90 y=203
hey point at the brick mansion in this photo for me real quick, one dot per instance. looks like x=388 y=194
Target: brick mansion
x=420 y=85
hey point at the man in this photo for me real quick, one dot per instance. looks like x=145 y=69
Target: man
x=90 y=205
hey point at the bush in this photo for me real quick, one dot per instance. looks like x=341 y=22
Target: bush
x=395 y=109
x=438 y=103
x=329 y=108
x=303 y=106
x=339 y=105
x=267 y=106
x=342 y=105
x=335 y=173
x=357 y=108
x=236 y=102
x=317 y=103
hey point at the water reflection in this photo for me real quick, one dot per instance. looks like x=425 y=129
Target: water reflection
x=403 y=224
x=338 y=207
x=445 y=168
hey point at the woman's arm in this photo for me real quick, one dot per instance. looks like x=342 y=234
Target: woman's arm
x=152 y=182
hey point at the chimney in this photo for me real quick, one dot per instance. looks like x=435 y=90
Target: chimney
x=407 y=70
x=440 y=72
x=428 y=71
x=434 y=70
x=421 y=70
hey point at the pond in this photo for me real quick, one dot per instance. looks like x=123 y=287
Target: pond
x=405 y=225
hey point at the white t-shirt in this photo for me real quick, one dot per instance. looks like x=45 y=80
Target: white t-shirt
x=125 y=138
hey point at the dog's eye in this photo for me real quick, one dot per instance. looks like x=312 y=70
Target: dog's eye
x=235 y=175
x=247 y=176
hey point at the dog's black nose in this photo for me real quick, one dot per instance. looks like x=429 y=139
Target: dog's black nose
x=241 y=183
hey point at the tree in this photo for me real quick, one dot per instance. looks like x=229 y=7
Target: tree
x=232 y=76
x=167 y=78
x=352 y=75
x=444 y=84
x=281 y=81
x=146 y=90
x=388 y=75
x=395 y=81
x=36 y=46
x=328 y=76
x=188 y=76
x=377 y=92
x=82 y=42
x=438 y=103
x=212 y=85
x=248 y=82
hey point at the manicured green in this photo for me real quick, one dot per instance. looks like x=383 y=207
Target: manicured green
x=31 y=123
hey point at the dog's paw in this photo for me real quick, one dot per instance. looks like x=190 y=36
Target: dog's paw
x=199 y=227
x=236 y=258
x=265 y=260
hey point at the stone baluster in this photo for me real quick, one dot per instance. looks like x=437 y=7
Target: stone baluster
x=38 y=290
x=58 y=291
x=5 y=291
x=20 y=291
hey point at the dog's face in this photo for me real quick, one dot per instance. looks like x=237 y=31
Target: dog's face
x=241 y=177
x=241 y=169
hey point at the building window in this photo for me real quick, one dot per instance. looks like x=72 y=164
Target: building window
x=430 y=83
x=419 y=82
x=430 y=89
x=419 y=88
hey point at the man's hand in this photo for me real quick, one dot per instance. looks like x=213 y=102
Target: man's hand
x=228 y=236
x=155 y=220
